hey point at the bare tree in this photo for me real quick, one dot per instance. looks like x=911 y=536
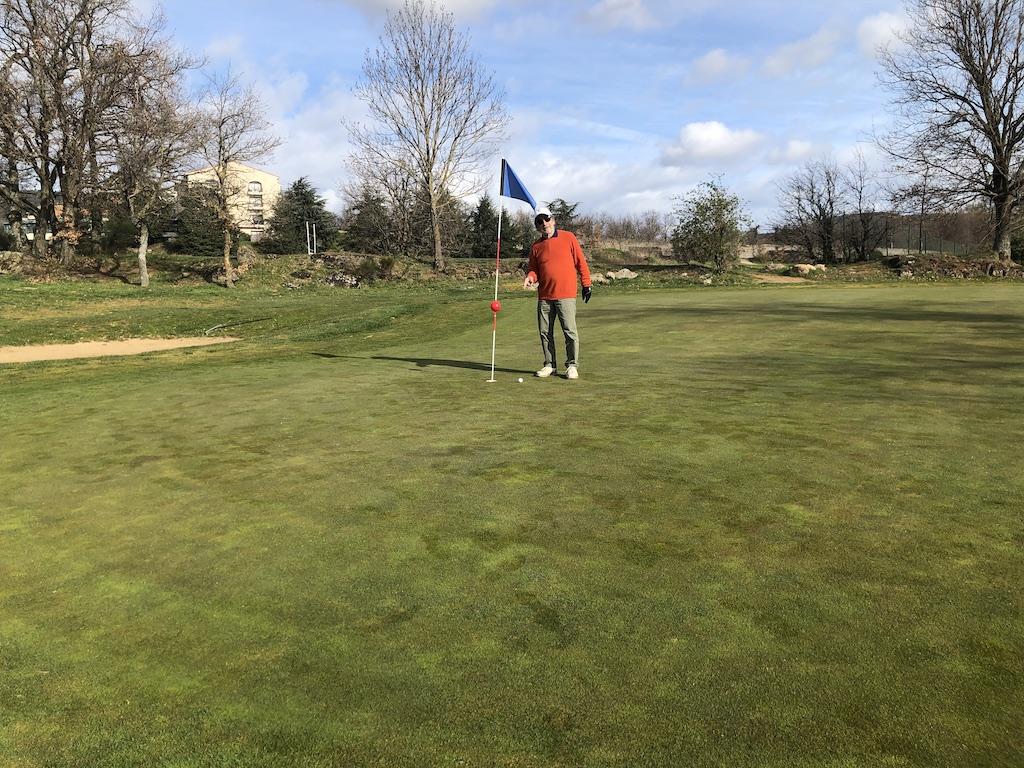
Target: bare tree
x=12 y=202
x=918 y=198
x=34 y=45
x=397 y=190
x=67 y=58
x=865 y=225
x=155 y=136
x=810 y=203
x=66 y=72
x=960 y=80
x=437 y=112
x=234 y=131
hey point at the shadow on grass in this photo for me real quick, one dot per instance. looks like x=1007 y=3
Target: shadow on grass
x=426 y=362
x=1011 y=322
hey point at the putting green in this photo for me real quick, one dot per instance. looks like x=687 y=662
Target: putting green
x=773 y=526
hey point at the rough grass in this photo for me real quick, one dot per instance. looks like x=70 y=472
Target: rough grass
x=767 y=527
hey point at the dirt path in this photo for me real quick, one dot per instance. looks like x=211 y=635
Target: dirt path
x=34 y=352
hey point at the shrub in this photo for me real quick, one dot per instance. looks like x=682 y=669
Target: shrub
x=366 y=270
x=709 y=227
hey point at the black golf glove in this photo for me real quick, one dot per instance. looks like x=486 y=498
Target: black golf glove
x=586 y=294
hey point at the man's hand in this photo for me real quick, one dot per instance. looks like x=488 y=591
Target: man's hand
x=586 y=294
x=530 y=283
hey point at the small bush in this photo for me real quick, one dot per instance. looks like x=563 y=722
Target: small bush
x=118 y=232
x=367 y=269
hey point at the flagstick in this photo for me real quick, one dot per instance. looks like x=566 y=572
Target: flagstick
x=497 y=271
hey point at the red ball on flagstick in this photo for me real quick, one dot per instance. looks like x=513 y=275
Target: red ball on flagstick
x=495 y=306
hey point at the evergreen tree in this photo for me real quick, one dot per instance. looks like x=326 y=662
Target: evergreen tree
x=563 y=213
x=286 y=227
x=366 y=225
x=200 y=231
x=517 y=235
x=483 y=230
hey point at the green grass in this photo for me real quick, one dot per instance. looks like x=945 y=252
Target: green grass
x=767 y=527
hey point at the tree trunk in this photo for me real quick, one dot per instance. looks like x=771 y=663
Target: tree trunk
x=44 y=220
x=1001 y=235
x=95 y=200
x=69 y=232
x=828 y=244
x=228 y=282
x=39 y=246
x=143 y=245
x=439 y=261
x=435 y=220
x=69 y=237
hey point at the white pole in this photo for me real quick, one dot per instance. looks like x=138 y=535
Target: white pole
x=308 y=251
x=497 y=272
x=314 y=238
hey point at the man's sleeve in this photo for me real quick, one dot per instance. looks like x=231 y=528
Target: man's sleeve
x=531 y=269
x=581 y=263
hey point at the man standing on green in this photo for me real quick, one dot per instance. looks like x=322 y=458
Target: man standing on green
x=555 y=261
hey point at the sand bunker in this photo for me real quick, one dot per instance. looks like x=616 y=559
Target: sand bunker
x=34 y=352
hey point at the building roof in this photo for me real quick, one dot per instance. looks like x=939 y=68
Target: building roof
x=236 y=164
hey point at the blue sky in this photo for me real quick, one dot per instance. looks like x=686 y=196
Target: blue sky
x=620 y=105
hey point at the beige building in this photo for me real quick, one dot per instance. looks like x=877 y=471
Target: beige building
x=254 y=194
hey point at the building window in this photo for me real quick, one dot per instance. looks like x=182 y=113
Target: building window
x=255 y=202
x=255 y=188
x=257 y=219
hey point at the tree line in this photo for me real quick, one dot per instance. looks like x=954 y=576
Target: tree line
x=96 y=124
x=956 y=75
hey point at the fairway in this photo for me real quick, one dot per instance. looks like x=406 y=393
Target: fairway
x=775 y=526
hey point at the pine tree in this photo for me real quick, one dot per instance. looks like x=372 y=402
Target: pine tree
x=286 y=228
x=483 y=229
x=200 y=232
x=564 y=213
x=367 y=226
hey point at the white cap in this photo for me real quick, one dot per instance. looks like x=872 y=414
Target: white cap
x=542 y=211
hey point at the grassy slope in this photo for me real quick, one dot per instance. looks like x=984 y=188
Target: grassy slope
x=768 y=527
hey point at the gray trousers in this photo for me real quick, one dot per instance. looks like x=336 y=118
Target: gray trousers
x=565 y=310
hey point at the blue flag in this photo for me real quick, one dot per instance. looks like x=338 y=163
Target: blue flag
x=511 y=186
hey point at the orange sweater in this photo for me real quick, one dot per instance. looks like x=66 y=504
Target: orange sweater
x=554 y=263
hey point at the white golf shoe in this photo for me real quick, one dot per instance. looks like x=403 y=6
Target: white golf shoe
x=544 y=372
x=571 y=372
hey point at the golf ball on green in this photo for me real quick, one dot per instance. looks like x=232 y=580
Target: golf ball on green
x=520 y=379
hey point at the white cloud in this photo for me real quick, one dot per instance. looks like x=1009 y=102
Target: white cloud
x=805 y=54
x=880 y=31
x=711 y=142
x=225 y=47
x=614 y=14
x=599 y=182
x=316 y=142
x=718 y=64
x=793 y=152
